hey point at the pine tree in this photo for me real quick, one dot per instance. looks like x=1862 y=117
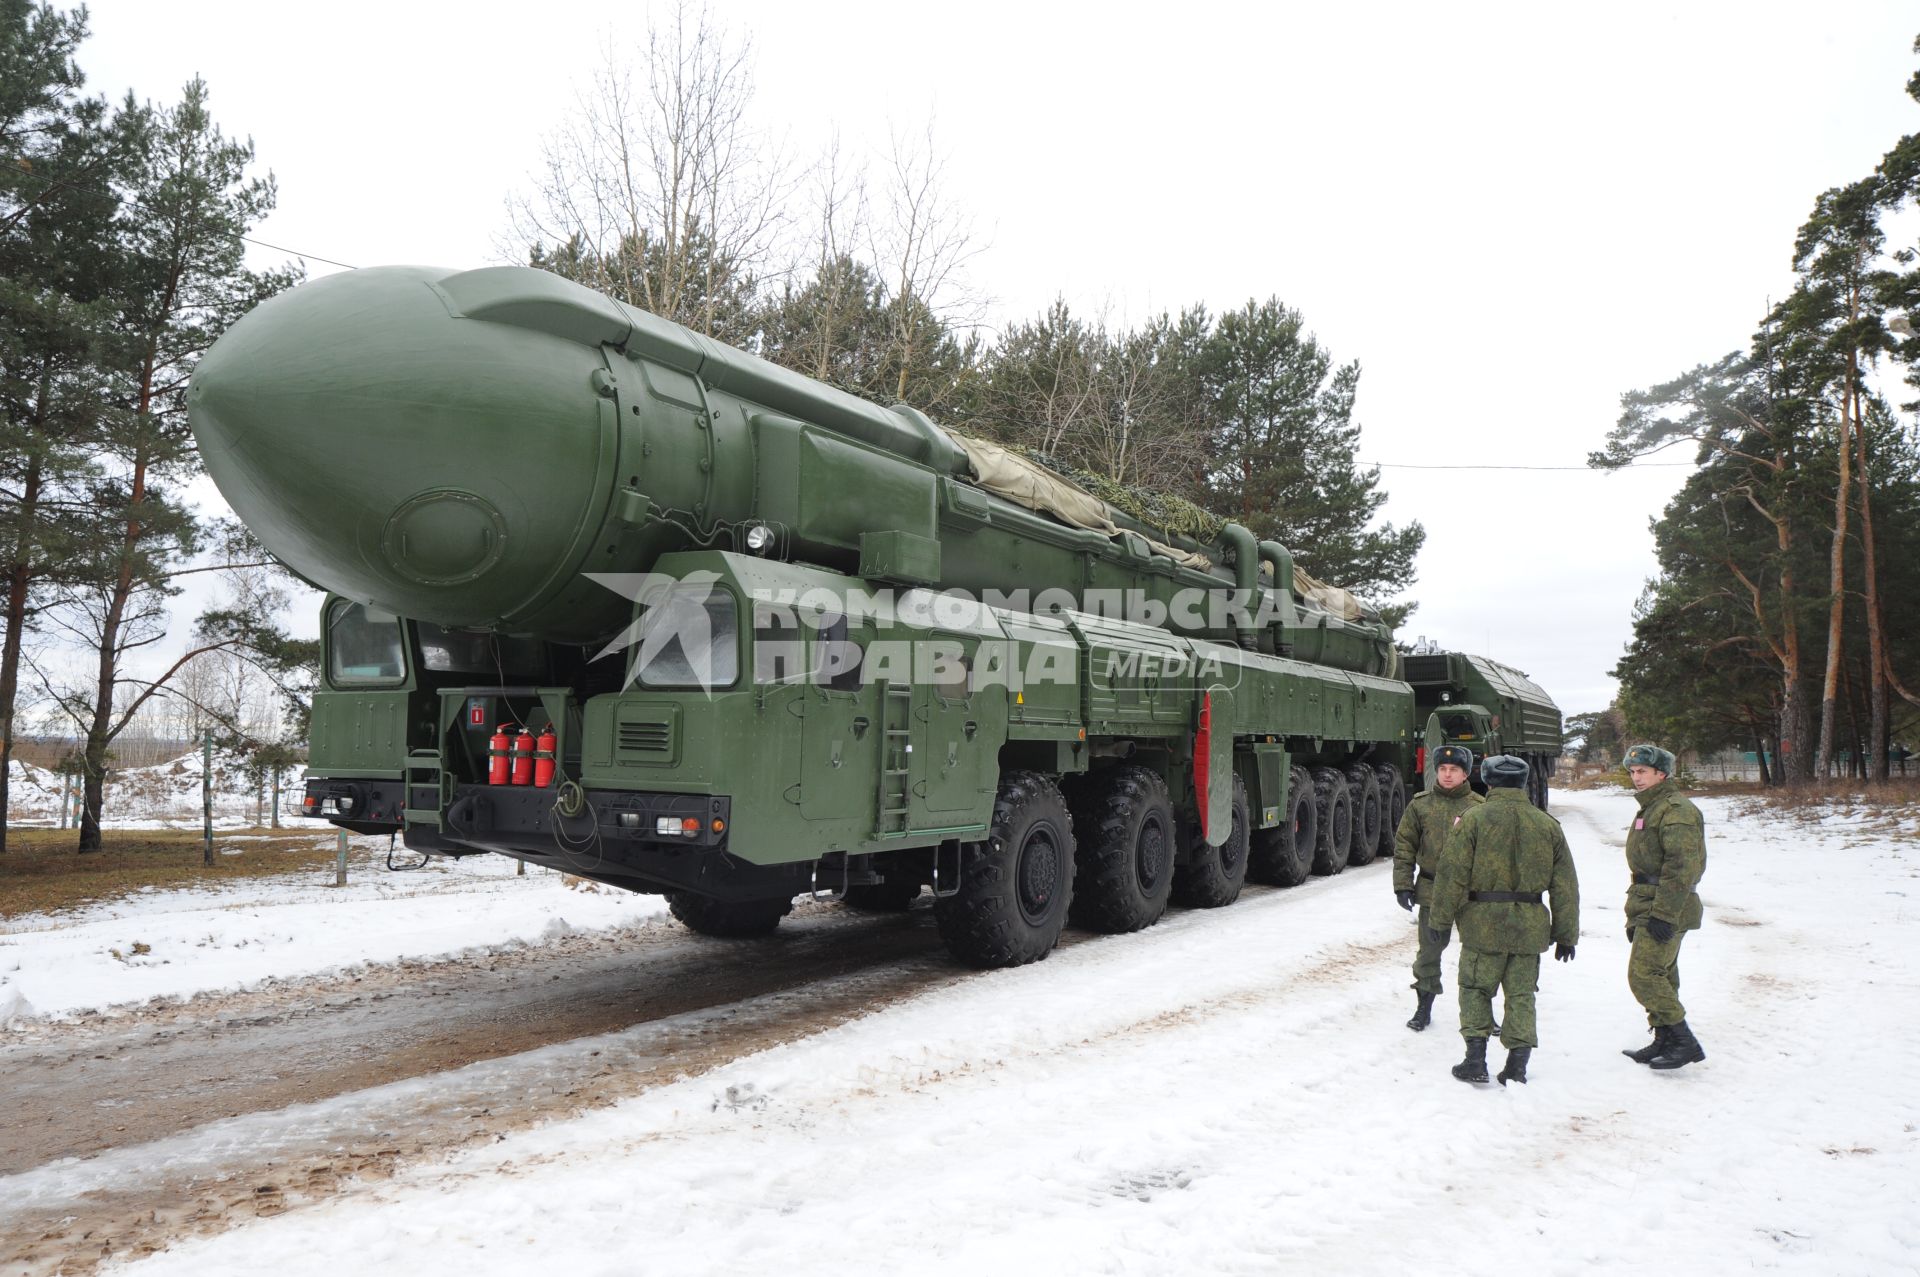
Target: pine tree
x=832 y=328
x=1282 y=453
x=59 y=152
x=1832 y=325
x=1756 y=478
x=181 y=281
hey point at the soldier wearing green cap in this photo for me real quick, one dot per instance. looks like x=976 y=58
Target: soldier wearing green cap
x=1502 y=860
x=1666 y=855
x=1417 y=843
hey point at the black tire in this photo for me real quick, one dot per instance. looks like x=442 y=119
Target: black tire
x=1393 y=803
x=1017 y=886
x=1283 y=856
x=1212 y=878
x=1124 y=851
x=727 y=919
x=1336 y=821
x=1364 y=789
x=1540 y=778
x=882 y=897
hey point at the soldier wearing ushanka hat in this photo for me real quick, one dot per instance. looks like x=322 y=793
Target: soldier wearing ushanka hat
x=1507 y=879
x=1666 y=856
x=1417 y=844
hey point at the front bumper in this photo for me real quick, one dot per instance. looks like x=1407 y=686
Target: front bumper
x=364 y=806
x=520 y=817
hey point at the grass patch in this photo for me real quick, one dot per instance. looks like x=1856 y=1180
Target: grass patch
x=1827 y=795
x=41 y=873
x=1873 y=809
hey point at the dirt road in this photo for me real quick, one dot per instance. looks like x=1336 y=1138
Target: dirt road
x=122 y=1133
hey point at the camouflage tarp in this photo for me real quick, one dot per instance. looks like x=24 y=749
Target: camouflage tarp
x=1028 y=483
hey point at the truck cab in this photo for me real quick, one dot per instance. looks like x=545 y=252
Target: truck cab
x=1474 y=726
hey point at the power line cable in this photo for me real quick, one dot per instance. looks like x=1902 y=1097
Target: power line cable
x=314 y=257
x=106 y=188
x=1408 y=465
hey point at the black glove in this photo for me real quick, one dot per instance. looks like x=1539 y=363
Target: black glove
x=1404 y=899
x=1660 y=929
x=1629 y=935
x=1563 y=953
x=1436 y=937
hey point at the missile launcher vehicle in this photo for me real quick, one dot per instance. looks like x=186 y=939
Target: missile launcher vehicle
x=1490 y=708
x=609 y=596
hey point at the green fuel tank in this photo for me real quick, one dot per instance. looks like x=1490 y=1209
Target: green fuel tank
x=466 y=447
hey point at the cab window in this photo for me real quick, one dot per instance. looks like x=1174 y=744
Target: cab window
x=689 y=640
x=446 y=650
x=836 y=657
x=364 y=646
x=953 y=676
x=779 y=651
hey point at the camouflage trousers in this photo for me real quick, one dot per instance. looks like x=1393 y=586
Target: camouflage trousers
x=1653 y=973
x=1426 y=963
x=1514 y=975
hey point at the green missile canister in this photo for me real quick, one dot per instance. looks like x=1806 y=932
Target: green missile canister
x=471 y=448
x=462 y=446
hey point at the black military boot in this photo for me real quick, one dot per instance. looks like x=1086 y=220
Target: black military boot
x=1422 y=1013
x=1515 y=1069
x=1646 y=1053
x=1474 y=1067
x=1681 y=1050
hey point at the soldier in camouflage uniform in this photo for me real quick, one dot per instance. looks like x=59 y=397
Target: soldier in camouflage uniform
x=1666 y=854
x=1499 y=862
x=1417 y=845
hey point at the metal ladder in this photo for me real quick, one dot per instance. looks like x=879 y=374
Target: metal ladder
x=896 y=759
x=423 y=769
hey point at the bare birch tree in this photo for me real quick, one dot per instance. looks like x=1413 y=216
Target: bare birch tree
x=921 y=243
x=658 y=189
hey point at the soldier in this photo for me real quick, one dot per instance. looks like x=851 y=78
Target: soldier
x=1497 y=864
x=1666 y=853
x=1417 y=845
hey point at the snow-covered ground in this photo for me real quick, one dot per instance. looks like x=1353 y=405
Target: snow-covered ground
x=159 y=944
x=1230 y=1092
x=161 y=796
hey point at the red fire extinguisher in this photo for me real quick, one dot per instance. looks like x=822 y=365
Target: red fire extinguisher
x=543 y=748
x=523 y=758
x=497 y=755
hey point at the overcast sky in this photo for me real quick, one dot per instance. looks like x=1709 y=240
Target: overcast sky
x=1508 y=215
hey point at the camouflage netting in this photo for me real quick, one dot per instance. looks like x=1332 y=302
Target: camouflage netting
x=1026 y=482
x=1341 y=603
x=1083 y=499
x=1162 y=511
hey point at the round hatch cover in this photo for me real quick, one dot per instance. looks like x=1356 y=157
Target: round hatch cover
x=444 y=537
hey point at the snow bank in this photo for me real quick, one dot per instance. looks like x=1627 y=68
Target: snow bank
x=160 y=944
x=161 y=796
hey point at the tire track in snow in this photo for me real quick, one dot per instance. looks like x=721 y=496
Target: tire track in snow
x=129 y=1139
x=249 y=1105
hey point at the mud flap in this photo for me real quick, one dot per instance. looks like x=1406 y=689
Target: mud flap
x=1213 y=765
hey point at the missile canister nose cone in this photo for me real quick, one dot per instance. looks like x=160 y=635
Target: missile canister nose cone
x=440 y=444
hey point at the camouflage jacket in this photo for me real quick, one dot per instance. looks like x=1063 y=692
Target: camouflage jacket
x=1509 y=846
x=1666 y=854
x=1422 y=836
